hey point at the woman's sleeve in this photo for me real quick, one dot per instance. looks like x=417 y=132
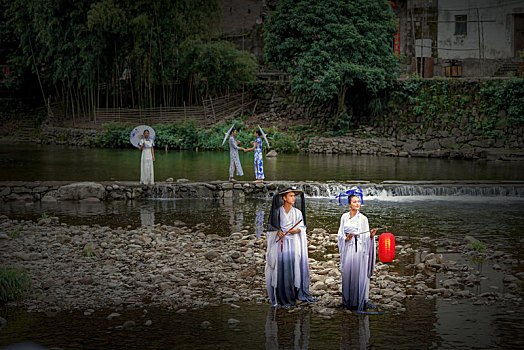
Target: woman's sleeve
x=341 y=236
x=233 y=144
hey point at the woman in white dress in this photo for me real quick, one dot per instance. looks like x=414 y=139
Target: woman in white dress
x=147 y=174
x=356 y=244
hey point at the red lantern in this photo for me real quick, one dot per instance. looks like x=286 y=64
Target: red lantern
x=386 y=247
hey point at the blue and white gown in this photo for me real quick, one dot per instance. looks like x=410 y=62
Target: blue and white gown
x=357 y=261
x=147 y=173
x=287 y=271
x=233 y=158
x=259 y=164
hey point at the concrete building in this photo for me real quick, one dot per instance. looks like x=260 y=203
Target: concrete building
x=468 y=38
x=484 y=37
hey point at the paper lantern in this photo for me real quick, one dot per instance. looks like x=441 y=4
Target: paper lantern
x=386 y=247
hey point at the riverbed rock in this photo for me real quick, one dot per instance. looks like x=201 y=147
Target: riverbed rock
x=113 y=315
x=81 y=190
x=211 y=255
x=233 y=322
x=272 y=154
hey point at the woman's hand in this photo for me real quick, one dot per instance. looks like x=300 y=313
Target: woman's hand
x=295 y=231
x=153 y=158
x=280 y=234
x=373 y=232
x=349 y=236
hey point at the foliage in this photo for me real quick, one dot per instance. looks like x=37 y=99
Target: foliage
x=507 y=95
x=120 y=53
x=13 y=284
x=114 y=135
x=332 y=47
x=15 y=233
x=484 y=108
x=478 y=246
x=216 y=66
x=88 y=250
x=188 y=136
x=45 y=215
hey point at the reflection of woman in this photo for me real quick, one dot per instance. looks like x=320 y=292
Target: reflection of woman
x=147 y=175
x=356 y=245
x=259 y=165
x=287 y=331
x=354 y=332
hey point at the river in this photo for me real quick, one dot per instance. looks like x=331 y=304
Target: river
x=30 y=162
x=496 y=220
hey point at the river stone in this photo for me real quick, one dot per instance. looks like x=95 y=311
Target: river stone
x=81 y=190
x=129 y=324
x=3 y=322
x=148 y=323
x=271 y=154
x=113 y=315
x=450 y=283
x=211 y=255
x=233 y=322
x=470 y=239
x=205 y=324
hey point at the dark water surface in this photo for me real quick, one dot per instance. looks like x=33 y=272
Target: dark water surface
x=426 y=324
x=30 y=162
x=492 y=219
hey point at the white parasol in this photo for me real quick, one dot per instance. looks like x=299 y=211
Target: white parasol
x=137 y=134
x=227 y=134
x=264 y=136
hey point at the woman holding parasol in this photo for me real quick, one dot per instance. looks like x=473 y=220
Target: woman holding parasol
x=143 y=138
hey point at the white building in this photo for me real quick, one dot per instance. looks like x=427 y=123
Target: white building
x=482 y=36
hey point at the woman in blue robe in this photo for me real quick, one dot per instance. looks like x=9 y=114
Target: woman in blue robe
x=258 y=156
x=287 y=270
x=356 y=244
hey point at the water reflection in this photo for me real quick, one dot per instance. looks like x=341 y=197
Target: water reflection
x=236 y=214
x=354 y=332
x=287 y=331
x=147 y=216
x=259 y=217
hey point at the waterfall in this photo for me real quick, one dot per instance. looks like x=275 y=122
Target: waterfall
x=385 y=190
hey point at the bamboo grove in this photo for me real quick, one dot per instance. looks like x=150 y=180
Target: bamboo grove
x=122 y=53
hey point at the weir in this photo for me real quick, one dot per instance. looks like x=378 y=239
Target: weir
x=108 y=191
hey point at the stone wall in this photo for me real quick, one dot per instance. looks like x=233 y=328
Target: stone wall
x=53 y=191
x=434 y=144
x=67 y=136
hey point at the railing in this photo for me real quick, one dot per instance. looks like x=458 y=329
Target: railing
x=211 y=111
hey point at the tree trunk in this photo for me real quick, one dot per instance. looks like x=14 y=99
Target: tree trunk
x=342 y=108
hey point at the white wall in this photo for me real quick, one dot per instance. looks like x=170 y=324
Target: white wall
x=495 y=32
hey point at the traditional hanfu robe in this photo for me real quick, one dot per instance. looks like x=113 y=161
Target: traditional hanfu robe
x=357 y=260
x=147 y=175
x=233 y=158
x=259 y=165
x=287 y=271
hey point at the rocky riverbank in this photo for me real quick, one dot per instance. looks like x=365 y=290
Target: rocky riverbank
x=179 y=267
x=420 y=146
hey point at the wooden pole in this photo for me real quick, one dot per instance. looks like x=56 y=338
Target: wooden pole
x=414 y=40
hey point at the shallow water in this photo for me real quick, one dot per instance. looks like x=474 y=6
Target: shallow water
x=426 y=324
x=494 y=220
x=31 y=162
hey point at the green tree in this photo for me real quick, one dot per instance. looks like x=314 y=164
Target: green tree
x=332 y=47
x=117 y=53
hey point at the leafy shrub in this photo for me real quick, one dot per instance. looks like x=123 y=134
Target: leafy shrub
x=13 y=284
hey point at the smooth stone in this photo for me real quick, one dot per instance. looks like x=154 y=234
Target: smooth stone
x=148 y=323
x=113 y=315
x=233 y=322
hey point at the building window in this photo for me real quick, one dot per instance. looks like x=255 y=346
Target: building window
x=461 y=25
